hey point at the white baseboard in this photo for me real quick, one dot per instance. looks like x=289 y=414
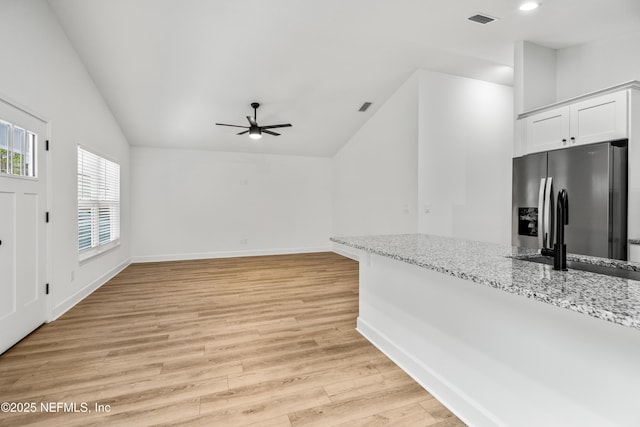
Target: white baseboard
x=458 y=402
x=74 y=299
x=226 y=254
x=346 y=251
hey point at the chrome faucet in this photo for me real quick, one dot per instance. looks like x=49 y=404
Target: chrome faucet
x=562 y=219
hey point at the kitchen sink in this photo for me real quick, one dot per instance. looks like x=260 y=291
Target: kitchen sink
x=593 y=268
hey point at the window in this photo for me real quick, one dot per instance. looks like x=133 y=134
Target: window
x=98 y=203
x=17 y=150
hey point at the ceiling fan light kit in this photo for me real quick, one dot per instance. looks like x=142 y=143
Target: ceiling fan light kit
x=255 y=133
x=254 y=130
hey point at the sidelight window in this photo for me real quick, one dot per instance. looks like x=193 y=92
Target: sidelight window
x=98 y=203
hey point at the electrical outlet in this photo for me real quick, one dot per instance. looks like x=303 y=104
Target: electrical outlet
x=244 y=241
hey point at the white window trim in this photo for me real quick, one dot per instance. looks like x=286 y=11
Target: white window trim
x=89 y=254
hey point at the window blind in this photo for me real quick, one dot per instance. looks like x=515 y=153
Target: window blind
x=98 y=201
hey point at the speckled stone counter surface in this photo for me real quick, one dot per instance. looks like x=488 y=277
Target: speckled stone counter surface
x=609 y=298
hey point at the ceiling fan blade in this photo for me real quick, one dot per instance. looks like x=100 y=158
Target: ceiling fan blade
x=252 y=121
x=233 y=126
x=269 y=132
x=288 y=125
x=243 y=132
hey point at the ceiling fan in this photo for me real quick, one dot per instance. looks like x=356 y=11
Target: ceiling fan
x=254 y=130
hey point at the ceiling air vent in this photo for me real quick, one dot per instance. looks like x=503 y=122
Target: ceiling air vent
x=365 y=106
x=481 y=18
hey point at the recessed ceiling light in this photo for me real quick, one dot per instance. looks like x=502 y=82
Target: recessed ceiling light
x=530 y=5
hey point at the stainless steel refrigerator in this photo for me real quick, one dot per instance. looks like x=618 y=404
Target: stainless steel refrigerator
x=595 y=177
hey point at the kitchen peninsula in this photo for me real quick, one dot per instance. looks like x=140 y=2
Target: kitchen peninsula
x=501 y=340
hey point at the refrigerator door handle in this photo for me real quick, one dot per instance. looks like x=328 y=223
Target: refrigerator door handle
x=542 y=228
x=548 y=219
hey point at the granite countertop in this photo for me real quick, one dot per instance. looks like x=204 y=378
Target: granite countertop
x=609 y=298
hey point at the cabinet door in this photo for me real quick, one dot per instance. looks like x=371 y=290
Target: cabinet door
x=599 y=119
x=548 y=130
x=634 y=253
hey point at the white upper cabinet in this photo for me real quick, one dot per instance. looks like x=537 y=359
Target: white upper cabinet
x=602 y=118
x=547 y=130
x=599 y=119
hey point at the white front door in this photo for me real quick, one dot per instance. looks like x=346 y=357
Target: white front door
x=23 y=234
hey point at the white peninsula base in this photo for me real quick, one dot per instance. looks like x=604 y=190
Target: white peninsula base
x=499 y=359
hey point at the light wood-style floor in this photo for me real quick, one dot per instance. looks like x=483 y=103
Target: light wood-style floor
x=265 y=341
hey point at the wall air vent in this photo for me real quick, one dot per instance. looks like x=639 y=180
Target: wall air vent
x=481 y=18
x=365 y=106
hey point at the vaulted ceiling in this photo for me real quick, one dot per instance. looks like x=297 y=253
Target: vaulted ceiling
x=170 y=69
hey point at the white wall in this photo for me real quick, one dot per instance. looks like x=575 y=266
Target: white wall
x=633 y=178
x=189 y=204
x=597 y=65
x=375 y=174
x=534 y=76
x=465 y=149
x=40 y=70
x=441 y=144
x=544 y=76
